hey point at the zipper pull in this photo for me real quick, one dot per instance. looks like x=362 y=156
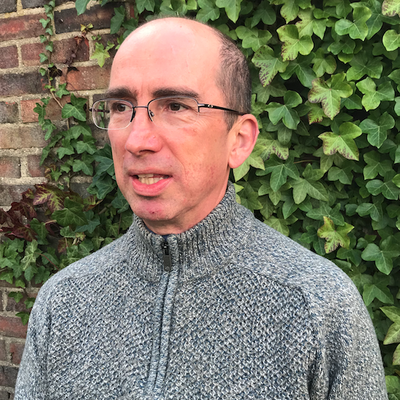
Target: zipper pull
x=166 y=257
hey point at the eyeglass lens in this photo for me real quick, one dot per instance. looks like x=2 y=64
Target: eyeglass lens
x=166 y=111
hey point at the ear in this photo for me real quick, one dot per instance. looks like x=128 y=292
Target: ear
x=244 y=136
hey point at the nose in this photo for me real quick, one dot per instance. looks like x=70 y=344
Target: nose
x=143 y=135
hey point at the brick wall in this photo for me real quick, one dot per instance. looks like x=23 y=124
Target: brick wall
x=21 y=138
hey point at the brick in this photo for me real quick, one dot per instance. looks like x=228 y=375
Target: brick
x=6 y=396
x=9 y=194
x=8 y=376
x=86 y=78
x=12 y=305
x=53 y=110
x=8 y=6
x=63 y=51
x=68 y=20
x=16 y=351
x=33 y=3
x=80 y=188
x=35 y=170
x=30 y=53
x=11 y=60
x=20 y=137
x=10 y=167
x=100 y=135
x=3 y=352
x=8 y=112
x=20 y=84
x=13 y=327
x=21 y=27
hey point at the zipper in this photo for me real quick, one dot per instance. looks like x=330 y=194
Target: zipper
x=166 y=257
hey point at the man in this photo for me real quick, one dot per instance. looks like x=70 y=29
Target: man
x=199 y=300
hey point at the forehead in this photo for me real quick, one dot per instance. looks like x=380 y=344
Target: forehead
x=168 y=53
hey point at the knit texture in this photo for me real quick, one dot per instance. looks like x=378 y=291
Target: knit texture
x=245 y=313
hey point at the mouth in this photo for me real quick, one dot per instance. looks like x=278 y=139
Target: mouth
x=150 y=179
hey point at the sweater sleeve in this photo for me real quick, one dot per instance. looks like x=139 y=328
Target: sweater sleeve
x=348 y=362
x=32 y=377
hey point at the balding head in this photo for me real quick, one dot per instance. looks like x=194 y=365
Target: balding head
x=231 y=70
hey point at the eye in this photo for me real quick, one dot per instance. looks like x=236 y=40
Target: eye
x=176 y=107
x=119 y=107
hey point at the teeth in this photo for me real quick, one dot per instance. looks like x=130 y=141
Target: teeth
x=150 y=179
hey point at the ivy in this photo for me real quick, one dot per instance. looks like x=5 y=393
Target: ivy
x=325 y=170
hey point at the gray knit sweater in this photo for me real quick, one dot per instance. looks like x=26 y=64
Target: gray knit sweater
x=234 y=311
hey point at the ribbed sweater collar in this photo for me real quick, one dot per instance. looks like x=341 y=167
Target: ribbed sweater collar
x=201 y=250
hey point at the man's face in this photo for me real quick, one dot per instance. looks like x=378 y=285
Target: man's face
x=172 y=178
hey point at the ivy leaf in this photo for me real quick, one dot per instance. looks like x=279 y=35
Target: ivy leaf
x=362 y=65
x=308 y=25
x=270 y=146
x=145 y=5
x=277 y=111
x=62 y=91
x=372 y=97
x=249 y=197
x=232 y=8
x=335 y=237
x=391 y=40
x=72 y=214
x=292 y=43
x=323 y=63
x=388 y=189
x=382 y=258
x=316 y=113
x=303 y=71
x=75 y=109
x=252 y=38
x=356 y=29
x=84 y=165
x=390 y=8
x=269 y=65
x=81 y=5
x=374 y=210
x=379 y=291
x=208 y=11
x=101 y=53
x=87 y=145
x=31 y=254
x=117 y=19
x=329 y=93
x=303 y=187
x=396 y=180
x=290 y=8
x=51 y=195
x=253 y=160
x=278 y=224
x=342 y=143
x=279 y=172
x=377 y=131
x=325 y=211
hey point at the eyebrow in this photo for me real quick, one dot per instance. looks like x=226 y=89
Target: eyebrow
x=162 y=92
x=125 y=93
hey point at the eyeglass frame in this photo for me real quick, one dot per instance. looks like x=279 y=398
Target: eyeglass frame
x=149 y=112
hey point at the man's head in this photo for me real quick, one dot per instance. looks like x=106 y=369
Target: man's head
x=174 y=176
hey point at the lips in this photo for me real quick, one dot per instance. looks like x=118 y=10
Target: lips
x=150 y=179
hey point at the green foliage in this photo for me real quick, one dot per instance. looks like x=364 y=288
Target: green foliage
x=325 y=170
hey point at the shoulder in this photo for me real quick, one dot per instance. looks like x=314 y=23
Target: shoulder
x=272 y=255
x=89 y=269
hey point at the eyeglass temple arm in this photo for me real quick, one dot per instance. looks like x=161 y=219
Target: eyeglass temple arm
x=203 y=105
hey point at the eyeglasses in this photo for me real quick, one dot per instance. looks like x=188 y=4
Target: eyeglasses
x=171 y=111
